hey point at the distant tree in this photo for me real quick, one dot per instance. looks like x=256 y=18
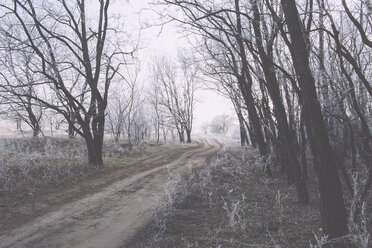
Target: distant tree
x=160 y=120
x=123 y=101
x=178 y=82
x=141 y=124
x=18 y=88
x=221 y=124
x=205 y=128
x=117 y=113
x=220 y=25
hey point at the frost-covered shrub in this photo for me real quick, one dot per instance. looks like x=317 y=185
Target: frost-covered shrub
x=229 y=165
x=359 y=235
x=176 y=190
x=26 y=163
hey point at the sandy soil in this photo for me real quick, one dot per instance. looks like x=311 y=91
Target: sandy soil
x=114 y=208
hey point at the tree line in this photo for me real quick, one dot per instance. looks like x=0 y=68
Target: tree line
x=297 y=73
x=71 y=63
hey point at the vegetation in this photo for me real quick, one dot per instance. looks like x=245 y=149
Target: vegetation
x=230 y=203
x=270 y=59
x=27 y=165
x=297 y=73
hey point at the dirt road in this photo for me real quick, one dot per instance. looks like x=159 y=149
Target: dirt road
x=108 y=217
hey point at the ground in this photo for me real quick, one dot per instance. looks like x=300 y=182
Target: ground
x=104 y=209
x=211 y=193
x=231 y=203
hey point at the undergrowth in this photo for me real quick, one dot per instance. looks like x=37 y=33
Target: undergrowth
x=27 y=164
x=231 y=203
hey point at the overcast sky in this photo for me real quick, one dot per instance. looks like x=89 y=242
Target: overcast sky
x=166 y=42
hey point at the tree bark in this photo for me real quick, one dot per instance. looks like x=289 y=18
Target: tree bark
x=251 y=135
x=332 y=208
x=245 y=83
x=71 y=131
x=94 y=141
x=181 y=135
x=243 y=132
x=94 y=152
x=303 y=146
x=188 y=135
x=284 y=135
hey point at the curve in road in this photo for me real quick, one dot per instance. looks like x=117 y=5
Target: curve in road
x=109 y=217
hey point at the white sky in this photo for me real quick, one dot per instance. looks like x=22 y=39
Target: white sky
x=209 y=103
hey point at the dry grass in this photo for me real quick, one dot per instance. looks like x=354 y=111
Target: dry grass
x=122 y=155
x=27 y=164
x=230 y=203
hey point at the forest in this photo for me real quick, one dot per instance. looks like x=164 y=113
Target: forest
x=297 y=74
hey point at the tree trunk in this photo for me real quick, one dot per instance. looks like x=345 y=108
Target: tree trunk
x=94 y=144
x=33 y=121
x=251 y=135
x=332 y=208
x=19 y=124
x=245 y=83
x=71 y=131
x=94 y=152
x=284 y=134
x=158 y=133
x=243 y=132
x=165 y=135
x=181 y=136
x=94 y=135
x=36 y=130
x=303 y=147
x=188 y=134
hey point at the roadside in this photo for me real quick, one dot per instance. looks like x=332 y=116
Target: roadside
x=17 y=208
x=231 y=203
x=103 y=210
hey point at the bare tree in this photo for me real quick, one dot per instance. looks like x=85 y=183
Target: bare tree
x=18 y=87
x=332 y=208
x=294 y=89
x=221 y=24
x=177 y=89
x=123 y=102
x=221 y=124
x=159 y=112
x=190 y=79
x=117 y=112
x=67 y=43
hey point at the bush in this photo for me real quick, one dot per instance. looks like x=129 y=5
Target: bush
x=28 y=163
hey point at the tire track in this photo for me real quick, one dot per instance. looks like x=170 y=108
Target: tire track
x=109 y=217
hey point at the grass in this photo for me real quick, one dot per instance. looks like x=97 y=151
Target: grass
x=231 y=203
x=38 y=176
x=29 y=164
x=115 y=156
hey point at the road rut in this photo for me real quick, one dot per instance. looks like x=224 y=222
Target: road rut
x=108 y=218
